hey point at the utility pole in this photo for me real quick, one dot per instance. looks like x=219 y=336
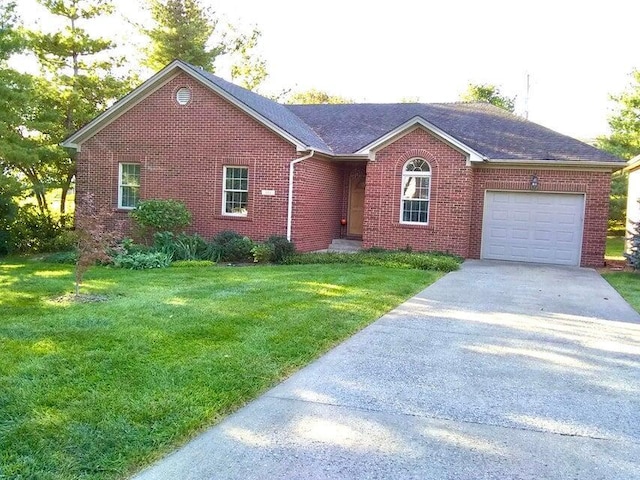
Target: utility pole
x=526 y=100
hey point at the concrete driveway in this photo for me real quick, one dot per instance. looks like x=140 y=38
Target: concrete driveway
x=498 y=371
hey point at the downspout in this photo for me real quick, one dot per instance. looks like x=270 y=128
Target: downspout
x=290 y=200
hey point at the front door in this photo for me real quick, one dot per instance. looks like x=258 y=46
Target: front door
x=355 y=215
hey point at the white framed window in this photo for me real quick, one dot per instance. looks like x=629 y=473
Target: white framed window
x=129 y=185
x=416 y=192
x=235 y=191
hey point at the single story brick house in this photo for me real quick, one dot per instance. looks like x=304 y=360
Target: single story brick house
x=467 y=178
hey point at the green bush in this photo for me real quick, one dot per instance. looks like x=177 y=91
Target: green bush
x=238 y=250
x=263 y=252
x=33 y=232
x=69 y=257
x=396 y=259
x=229 y=246
x=151 y=216
x=282 y=248
x=142 y=260
x=182 y=246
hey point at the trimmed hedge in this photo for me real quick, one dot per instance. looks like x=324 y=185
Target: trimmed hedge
x=392 y=259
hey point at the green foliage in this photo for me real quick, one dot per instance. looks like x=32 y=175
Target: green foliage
x=67 y=258
x=182 y=246
x=97 y=391
x=282 y=248
x=76 y=83
x=314 y=96
x=396 y=259
x=141 y=260
x=618 y=201
x=192 y=263
x=34 y=232
x=262 y=252
x=624 y=140
x=9 y=189
x=183 y=29
x=152 y=216
x=229 y=246
x=187 y=30
x=488 y=93
x=633 y=254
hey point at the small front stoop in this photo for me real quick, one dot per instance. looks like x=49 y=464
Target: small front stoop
x=345 y=246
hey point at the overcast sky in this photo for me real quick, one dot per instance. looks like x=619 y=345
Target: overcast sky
x=576 y=53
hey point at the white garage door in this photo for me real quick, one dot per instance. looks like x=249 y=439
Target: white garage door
x=533 y=227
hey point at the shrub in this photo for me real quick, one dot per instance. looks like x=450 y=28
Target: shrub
x=190 y=247
x=142 y=260
x=229 y=246
x=282 y=248
x=69 y=257
x=152 y=216
x=263 y=252
x=238 y=250
x=34 y=232
x=396 y=259
x=94 y=239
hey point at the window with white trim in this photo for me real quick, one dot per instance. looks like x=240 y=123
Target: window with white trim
x=416 y=191
x=235 y=191
x=129 y=185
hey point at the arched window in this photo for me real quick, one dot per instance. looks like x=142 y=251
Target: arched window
x=416 y=190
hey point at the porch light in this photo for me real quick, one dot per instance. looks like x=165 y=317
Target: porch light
x=534 y=182
x=343 y=221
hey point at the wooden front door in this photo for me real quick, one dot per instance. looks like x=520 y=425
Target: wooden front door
x=355 y=215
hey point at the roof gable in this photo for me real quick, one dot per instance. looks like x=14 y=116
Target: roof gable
x=271 y=114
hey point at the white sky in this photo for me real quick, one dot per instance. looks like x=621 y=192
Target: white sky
x=576 y=52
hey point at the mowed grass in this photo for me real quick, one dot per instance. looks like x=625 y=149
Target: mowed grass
x=627 y=284
x=98 y=390
x=614 y=249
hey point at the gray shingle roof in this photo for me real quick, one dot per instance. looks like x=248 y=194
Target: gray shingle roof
x=491 y=131
x=278 y=114
x=345 y=129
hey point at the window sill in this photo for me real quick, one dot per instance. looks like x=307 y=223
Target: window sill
x=238 y=218
x=421 y=226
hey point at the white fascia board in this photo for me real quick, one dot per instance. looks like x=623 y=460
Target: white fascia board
x=555 y=163
x=632 y=164
x=151 y=85
x=473 y=156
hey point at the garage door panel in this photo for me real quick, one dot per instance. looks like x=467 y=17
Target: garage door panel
x=533 y=227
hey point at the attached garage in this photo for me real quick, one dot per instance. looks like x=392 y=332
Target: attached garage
x=533 y=227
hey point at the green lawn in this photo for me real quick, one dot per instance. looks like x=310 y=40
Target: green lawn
x=97 y=390
x=615 y=248
x=627 y=284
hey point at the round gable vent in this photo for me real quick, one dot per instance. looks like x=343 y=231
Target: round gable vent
x=183 y=96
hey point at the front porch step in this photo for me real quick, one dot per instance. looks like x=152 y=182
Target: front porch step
x=345 y=246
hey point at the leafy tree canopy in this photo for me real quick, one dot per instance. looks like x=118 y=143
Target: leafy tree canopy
x=488 y=93
x=187 y=30
x=314 y=96
x=624 y=140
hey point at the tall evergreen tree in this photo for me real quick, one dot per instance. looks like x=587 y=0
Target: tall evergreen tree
x=187 y=30
x=22 y=117
x=624 y=140
x=78 y=70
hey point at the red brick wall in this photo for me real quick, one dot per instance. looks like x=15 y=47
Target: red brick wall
x=317 y=203
x=450 y=205
x=182 y=151
x=595 y=185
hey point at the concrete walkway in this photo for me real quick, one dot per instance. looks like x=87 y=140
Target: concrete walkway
x=498 y=371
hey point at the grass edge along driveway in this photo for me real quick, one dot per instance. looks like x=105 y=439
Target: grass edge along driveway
x=98 y=390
